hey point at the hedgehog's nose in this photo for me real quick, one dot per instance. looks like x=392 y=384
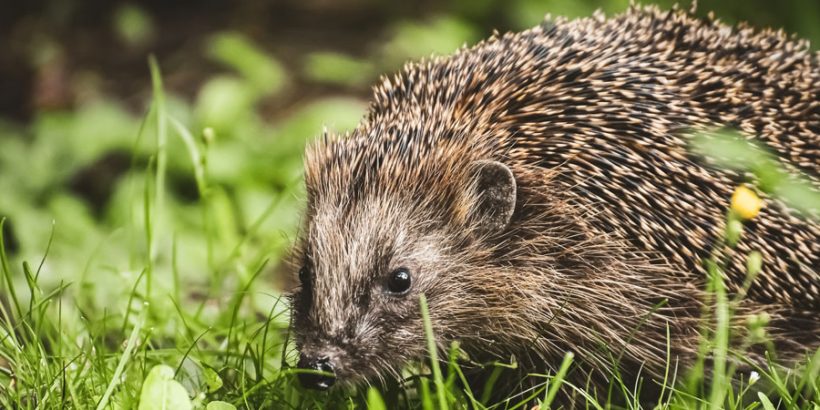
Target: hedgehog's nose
x=313 y=380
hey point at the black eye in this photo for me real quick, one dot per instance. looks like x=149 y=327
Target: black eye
x=304 y=275
x=399 y=281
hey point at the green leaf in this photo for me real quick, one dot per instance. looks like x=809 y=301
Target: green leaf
x=220 y=405
x=133 y=24
x=223 y=102
x=440 y=35
x=729 y=149
x=161 y=391
x=261 y=70
x=374 y=400
x=336 y=68
x=753 y=263
x=734 y=229
x=767 y=404
x=212 y=379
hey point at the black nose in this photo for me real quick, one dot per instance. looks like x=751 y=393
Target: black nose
x=313 y=380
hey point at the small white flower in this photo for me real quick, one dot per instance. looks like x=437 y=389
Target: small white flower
x=753 y=377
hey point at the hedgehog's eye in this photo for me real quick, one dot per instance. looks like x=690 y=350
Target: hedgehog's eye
x=398 y=283
x=304 y=276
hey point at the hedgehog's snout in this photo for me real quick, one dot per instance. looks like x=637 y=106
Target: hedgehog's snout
x=314 y=379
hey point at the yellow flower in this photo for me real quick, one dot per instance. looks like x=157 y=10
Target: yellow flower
x=745 y=203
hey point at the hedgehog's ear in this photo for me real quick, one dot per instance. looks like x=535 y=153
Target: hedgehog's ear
x=494 y=193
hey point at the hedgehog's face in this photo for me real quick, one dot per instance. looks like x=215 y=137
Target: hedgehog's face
x=364 y=265
x=356 y=312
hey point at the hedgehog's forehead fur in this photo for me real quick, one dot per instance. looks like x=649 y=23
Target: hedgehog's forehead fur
x=416 y=156
x=399 y=167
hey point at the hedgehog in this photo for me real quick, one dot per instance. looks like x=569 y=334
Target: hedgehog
x=538 y=189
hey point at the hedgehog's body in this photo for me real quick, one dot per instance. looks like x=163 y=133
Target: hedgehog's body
x=594 y=243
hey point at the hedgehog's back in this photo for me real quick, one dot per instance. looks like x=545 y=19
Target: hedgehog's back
x=606 y=106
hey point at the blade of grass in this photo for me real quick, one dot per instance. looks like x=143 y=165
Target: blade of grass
x=162 y=140
x=154 y=224
x=126 y=356
x=433 y=350
x=490 y=383
x=558 y=380
x=237 y=302
x=719 y=382
x=467 y=391
x=4 y=263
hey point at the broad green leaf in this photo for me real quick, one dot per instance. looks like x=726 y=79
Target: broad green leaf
x=220 y=405
x=224 y=101
x=212 y=379
x=161 y=392
x=767 y=404
x=374 y=400
x=263 y=71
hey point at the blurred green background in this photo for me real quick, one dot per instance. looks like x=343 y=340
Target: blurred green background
x=263 y=76
x=247 y=84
